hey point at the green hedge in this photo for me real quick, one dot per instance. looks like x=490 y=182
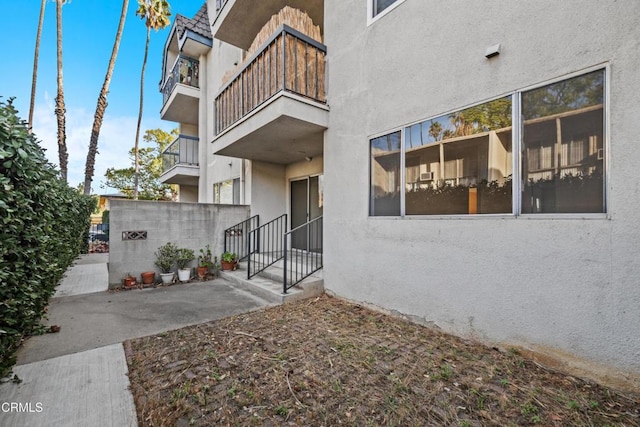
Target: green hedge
x=44 y=226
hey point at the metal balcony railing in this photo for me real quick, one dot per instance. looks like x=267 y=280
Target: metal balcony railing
x=289 y=61
x=185 y=71
x=184 y=150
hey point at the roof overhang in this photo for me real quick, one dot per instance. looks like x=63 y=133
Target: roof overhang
x=239 y=21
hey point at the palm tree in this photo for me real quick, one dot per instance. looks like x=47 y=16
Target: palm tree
x=435 y=130
x=102 y=105
x=36 y=54
x=156 y=14
x=60 y=108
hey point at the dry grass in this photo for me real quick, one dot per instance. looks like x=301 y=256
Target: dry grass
x=328 y=362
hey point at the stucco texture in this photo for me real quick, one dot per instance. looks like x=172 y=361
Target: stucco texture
x=563 y=287
x=188 y=225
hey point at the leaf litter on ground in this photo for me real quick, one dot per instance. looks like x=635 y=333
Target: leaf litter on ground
x=326 y=362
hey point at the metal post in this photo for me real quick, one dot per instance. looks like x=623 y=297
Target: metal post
x=284 y=280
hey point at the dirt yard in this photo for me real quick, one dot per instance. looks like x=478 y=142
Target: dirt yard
x=325 y=362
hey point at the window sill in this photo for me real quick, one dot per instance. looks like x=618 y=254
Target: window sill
x=552 y=217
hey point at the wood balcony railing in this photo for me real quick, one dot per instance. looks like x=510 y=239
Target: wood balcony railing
x=289 y=61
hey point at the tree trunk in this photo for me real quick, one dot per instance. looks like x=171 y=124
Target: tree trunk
x=36 y=54
x=137 y=166
x=60 y=108
x=102 y=105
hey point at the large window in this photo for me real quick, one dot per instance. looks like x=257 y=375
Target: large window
x=385 y=175
x=463 y=163
x=460 y=163
x=563 y=146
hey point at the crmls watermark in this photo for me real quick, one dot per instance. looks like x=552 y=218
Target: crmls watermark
x=21 y=407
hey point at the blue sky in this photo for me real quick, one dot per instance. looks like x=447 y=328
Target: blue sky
x=89 y=28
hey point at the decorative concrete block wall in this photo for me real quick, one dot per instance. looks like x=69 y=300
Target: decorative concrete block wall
x=190 y=225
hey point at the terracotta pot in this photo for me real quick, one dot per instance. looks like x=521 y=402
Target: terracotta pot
x=148 y=277
x=129 y=282
x=228 y=265
x=202 y=272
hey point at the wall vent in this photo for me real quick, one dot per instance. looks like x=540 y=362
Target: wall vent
x=134 y=235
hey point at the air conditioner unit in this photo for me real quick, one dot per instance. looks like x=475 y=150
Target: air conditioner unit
x=426 y=176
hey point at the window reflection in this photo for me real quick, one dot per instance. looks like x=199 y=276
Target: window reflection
x=380 y=5
x=385 y=175
x=460 y=163
x=563 y=146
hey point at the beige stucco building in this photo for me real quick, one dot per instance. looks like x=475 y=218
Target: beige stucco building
x=473 y=163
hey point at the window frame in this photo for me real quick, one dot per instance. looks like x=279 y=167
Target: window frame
x=605 y=143
x=371 y=18
x=235 y=191
x=517 y=157
x=401 y=174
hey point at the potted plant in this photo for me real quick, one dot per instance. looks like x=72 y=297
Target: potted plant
x=148 y=277
x=165 y=259
x=229 y=260
x=184 y=257
x=129 y=281
x=204 y=262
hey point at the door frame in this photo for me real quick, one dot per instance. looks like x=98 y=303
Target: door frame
x=306 y=178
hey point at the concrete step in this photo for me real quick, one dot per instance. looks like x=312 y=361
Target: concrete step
x=268 y=284
x=296 y=262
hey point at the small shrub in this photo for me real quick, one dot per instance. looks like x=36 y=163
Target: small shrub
x=166 y=256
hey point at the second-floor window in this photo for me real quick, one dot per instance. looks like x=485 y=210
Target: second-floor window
x=378 y=8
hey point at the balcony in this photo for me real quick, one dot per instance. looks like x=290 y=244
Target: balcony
x=181 y=92
x=238 y=21
x=274 y=108
x=180 y=163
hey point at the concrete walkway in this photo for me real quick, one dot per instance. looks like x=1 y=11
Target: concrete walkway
x=78 y=376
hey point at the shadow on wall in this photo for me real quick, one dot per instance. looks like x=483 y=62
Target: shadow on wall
x=138 y=228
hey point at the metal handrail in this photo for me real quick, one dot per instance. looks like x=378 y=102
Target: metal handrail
x=236 y=237
x=308 y=259
x=265 y=245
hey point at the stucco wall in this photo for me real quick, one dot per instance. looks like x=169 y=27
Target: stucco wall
x=562 y=287
x=189 y=225
x=188 y=194
x=268 y=190
x=214 y=169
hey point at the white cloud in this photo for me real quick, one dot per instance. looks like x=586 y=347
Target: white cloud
x=117 y=137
